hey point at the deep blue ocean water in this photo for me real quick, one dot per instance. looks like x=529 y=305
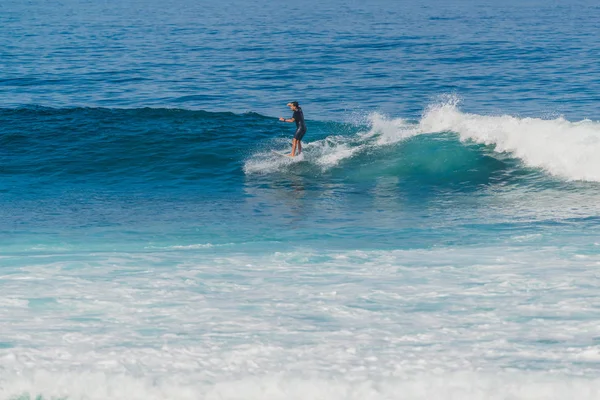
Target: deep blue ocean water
x=439 y=238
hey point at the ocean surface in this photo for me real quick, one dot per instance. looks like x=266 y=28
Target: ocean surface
x=439 y=238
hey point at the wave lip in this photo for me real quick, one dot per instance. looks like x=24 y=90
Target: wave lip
x=565 y=149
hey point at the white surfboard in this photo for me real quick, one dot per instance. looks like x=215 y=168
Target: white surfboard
x=281 y=154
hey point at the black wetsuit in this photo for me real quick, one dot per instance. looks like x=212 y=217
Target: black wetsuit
x=300 y=125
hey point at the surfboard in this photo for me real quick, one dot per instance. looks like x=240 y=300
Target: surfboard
x=281 y=154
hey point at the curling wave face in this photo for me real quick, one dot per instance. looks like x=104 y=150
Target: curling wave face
x=560 y=148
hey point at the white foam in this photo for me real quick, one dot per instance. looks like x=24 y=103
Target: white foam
x=389 y=130
x=426 y=386
x=562 y=148
x=329 y=152
x=264 y=162
x=183 y=247
x=341 y=324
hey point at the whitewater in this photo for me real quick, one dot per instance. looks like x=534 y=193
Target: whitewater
x=444 y=324
x=556 y=146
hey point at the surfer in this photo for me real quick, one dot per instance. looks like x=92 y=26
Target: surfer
x=298 y=118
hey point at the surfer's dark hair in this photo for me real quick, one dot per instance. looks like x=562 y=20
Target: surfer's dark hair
x=295 y=103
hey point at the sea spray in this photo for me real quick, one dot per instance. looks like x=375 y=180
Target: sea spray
x=560 y=147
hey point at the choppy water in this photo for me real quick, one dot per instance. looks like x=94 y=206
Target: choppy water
x=438 y=239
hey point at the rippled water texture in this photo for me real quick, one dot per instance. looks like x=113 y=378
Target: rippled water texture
x=524 y=57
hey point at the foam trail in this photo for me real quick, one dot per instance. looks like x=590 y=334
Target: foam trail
x=565 y=149
x=330 y=151
x=267 y=162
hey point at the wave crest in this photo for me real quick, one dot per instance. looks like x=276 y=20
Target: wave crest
x=568 y=150
x=565 y=149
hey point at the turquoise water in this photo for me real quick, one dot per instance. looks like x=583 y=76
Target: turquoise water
x=439 y=237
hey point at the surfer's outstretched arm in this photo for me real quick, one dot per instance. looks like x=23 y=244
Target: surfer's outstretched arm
x=287 y=120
